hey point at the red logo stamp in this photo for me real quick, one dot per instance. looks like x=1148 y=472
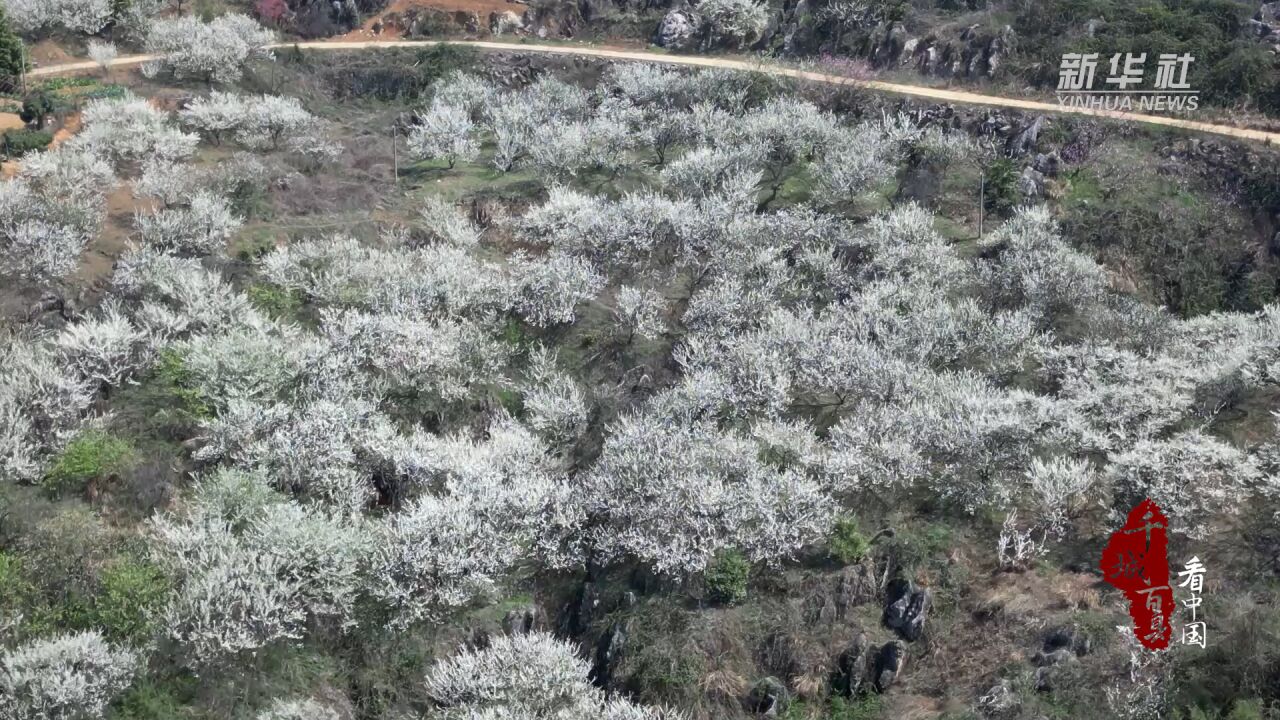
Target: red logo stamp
x=1136 y=561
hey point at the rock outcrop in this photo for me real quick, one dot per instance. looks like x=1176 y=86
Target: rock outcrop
x=907 y=608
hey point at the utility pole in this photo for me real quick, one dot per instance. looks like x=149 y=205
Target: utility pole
x=395 y=153
x=982 y=200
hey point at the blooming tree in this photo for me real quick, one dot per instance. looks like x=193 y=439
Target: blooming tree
x=444 y=132
x=529 y=675
x=215 y=51
x=67 y=677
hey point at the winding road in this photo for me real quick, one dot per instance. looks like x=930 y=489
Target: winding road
x=928 y=93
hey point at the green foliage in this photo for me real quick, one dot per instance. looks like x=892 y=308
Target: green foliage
x=16 y=143
x=511 y=401
x=93 y=454
x=152 y=698
x=67 y=81
x=132 y=593
x=1228 y=68
x=36 y=108
x=104 y=92
x=175 y=377
x=15 y=590
x=251 y=246
x=848 y=545
x=1248 y=710
x=1001 y=190
x=274 y=300
x=394 y=75
x=1192 y=255
x=726 y=577
x=515 y=334
x=864 y=707
x=13 y=57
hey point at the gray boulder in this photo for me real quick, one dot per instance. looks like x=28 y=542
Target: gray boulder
x=851 y=667
x=1069 y=637
x=1025 y=141
x=608 y=656
x=1031 y=183
x=907 y=608
x=524 y=620
x=889 y=663
x=769 y=698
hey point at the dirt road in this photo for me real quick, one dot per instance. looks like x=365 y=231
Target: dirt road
x=928 y=93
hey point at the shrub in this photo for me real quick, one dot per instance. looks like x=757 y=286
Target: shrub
x=17 y=143
x=133 y=593
x=36 y=107
x=1001 y=193
x=93 y=454
x=848 y=545
x=726 y=577
x=275 y=300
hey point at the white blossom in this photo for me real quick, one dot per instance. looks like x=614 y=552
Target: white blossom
x=641 y=311
x=103 y=53
x=529 y=675
x=67 y=677
x=444 y=132
x=215 y=51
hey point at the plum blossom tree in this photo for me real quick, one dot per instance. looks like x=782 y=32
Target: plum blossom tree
x=1195 y=477
x=130 y=129
x=49 y=212
x=448 y=224
x=532 y=676
x=556 y=406
x=444 y=132
x=215 y=115
x=252 y=567
x=215 y=52
x=550 y=288
x=42 y=403
x=431 y=280
x=1059 y=485
x=103 y=351
x=506 y=494
x=640 y=311
x=463 y=90
x=201 y=228
x=860 y=159
x=87 y=17
x=103 y=53
x=318 y=450
x=675 y=493
x=72 y=676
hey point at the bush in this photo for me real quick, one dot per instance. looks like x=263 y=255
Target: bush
x=133 y=592
x=1001 y=190
x=275 y=300
x=17 y=143
x=726 y=577
x=91 y=455
x=848 y=545
x=36 y=107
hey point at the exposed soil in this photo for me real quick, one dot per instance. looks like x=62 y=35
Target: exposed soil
x=379 y=27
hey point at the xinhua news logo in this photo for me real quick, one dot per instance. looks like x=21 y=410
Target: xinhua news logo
x=1125 y=86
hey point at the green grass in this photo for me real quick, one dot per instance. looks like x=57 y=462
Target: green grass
x=91 y=455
